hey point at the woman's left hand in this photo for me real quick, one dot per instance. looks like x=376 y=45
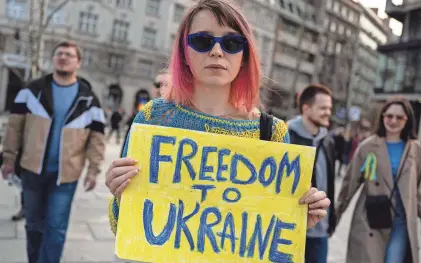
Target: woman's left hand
x=317 y=205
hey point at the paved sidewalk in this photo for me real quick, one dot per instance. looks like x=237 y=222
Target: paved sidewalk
x=90 y=238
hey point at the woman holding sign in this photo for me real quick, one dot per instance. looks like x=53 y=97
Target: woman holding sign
x=384 y=226
x=215 y=79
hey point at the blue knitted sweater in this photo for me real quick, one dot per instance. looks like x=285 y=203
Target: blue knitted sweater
x=163 y=113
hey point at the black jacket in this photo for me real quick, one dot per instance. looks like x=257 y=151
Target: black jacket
x=328 y=145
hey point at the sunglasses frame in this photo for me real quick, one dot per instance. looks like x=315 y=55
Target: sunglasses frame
x=157 y=84
x=217 y=40
x=397 y=117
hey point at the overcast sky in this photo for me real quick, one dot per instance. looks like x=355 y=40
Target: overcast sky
x=381 y=4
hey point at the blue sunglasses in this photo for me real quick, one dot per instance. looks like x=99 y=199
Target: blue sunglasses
x=231 y=44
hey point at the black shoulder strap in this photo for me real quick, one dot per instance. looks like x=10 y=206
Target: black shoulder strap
x=396 y=181
x=266 y=122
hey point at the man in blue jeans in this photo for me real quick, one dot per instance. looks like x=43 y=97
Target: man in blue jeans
x=59 y=123
x=310 y=129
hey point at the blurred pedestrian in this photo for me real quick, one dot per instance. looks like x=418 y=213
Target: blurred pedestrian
x=19 y=214
x=362 y=133
x=115 y=120
x=59 y=123
x=384 y=225
x=310 y=129
x=161 y=82
x=142 y=98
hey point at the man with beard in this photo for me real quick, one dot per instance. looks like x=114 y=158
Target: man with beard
x=310 y=129
x=59 y=123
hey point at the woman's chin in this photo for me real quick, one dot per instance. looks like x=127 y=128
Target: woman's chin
x=392 y=131
x=216 y=81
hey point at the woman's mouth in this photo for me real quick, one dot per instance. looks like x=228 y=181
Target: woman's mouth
x=216 y=66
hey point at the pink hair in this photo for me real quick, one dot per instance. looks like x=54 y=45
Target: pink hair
x=244 y=92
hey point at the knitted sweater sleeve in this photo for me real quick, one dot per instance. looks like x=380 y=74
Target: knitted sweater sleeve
x=280 y=131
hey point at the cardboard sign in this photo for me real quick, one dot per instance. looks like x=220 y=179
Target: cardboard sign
x=203 y=197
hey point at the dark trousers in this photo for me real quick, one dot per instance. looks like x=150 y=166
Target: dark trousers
x=115 y=129
x=316 y=250
x=46 y=210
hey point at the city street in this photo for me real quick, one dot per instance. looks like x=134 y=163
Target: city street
x=90 y=238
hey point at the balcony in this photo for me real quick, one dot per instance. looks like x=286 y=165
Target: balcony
x=411 y=43
x=398 y=11
x=399 y=72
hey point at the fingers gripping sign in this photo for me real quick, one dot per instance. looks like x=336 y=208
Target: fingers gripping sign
x=118 y=175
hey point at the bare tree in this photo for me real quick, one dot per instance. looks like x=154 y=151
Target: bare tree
x=39 y=21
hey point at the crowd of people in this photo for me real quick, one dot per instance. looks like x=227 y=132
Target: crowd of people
x=213 y=80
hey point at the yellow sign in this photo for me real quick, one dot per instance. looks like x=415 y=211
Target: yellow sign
x=203 y=197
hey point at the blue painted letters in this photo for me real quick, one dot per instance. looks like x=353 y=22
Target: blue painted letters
x=156 y=158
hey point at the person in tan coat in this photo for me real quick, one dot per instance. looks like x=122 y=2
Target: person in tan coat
x=388 y=166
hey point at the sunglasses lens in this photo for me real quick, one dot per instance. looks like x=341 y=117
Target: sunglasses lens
x=232 y=44
x=391 y=117
x=202 y=43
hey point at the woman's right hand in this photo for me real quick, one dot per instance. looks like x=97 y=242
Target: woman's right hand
x=118 y=175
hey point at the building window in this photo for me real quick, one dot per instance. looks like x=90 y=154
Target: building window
x=17 y=9
x=289 y=27
x=338 y=48
x=291 y=7
x=88 y=22
x=152 y=7
x=57 y=18
x=330 y=46
x=344 y=12
x=148 y=38
x=120 y=30
x=310 y=36
x=282 y=4
x=351 y=16
x=329 y=4
x=146 y=68
x=348 y=32
x=298 y=11
x=333 y=27
x=178 y=13
x=88 y=57
x=336 y=7
x=115 y=61
x=124 y=3
x=341 y=29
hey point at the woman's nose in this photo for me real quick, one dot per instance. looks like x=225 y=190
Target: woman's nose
x=216 y=51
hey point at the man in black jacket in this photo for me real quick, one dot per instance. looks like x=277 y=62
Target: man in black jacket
x=310 y=129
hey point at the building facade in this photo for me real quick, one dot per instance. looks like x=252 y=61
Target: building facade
x=399 y=70
x=294 y=56
x=124 y=43
x=373 y=32
x=340 y=42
